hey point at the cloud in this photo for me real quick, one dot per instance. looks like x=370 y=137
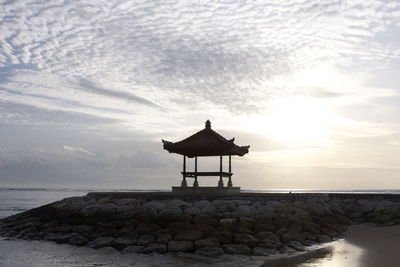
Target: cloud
x=79 y=151
x=92 y=87
x=14 y=113
x=154 y=53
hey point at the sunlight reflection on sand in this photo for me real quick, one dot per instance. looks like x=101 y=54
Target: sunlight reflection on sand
x=343 y=254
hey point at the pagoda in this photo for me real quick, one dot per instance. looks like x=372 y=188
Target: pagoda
x=206 y=143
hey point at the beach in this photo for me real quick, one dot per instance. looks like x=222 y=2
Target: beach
x=363 y=245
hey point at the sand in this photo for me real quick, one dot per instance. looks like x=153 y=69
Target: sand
x=362 y=246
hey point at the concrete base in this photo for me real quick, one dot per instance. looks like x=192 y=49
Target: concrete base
x=205 y=190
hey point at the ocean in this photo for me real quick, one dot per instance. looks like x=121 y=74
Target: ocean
x=38 y=253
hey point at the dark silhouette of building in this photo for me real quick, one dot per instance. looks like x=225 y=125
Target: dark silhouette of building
x=206 y=143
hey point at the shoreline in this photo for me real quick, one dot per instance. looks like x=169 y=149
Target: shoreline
x=258 y=224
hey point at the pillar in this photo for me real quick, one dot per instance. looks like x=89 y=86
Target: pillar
x=196 y=183
x=184 y=183
x=230 y=171
x=220 y=182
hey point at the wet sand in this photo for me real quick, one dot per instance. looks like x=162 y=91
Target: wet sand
x=363 y=246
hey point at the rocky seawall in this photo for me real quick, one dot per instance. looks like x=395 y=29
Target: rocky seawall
x=246 y=224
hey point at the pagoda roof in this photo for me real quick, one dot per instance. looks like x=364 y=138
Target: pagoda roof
x=206 y=142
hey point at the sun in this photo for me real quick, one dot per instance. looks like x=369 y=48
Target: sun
x=301 y=120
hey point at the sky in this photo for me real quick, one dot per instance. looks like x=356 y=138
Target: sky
x=89 y=88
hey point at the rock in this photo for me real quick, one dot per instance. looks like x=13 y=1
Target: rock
x=224 y=237
x=242 y=230
x=264 y=219
x=59 y=238
x=155 y=204
x=127 y=232
x=292 y=236
x=241 y=202
x=261 y=251
x=190 y=235
x=180 y=226
x=246 y=222
x=64 y=229
x=210 y=251
x=103 y=200
x=207 y=242
x=171 y=211
x=237 y=249
x=270 y=244
x=201 y=204
x=144 y=214
x=210 y=209
x=179 y=203
x=147 y=228
x=244 y=211
x=206 y=229
x=99 y=210
x=226 y=206
x=192 y=211
x=77 y=241
x=323 y=238
x=246 y=239
x=164 y=238
x=203 y=218
x=262 y=236
x=145 y=240
x=130 y=202
x=122 y=242
x=107 y=250
x=72 y=204
x=296 y=245
x=179 y=246
x=125 y=210
x=101 y=242
x=311 y=227
x=83 y=229
x=263 y=227
x=155 y=248
x=281 y=222
x=227 y=222
x=281 y=231
x=133 y=249
x=265 y=209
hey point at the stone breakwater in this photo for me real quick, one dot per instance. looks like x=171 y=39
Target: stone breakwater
x=208 y=225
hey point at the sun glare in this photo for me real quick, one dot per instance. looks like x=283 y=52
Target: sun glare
x=300 y=120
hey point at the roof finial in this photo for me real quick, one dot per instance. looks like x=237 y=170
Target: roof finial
x=208 y=124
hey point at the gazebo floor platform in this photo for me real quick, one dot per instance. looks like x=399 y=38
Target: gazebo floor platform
x=206 y=190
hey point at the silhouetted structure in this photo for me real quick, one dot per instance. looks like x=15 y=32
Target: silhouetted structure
x=206 y=143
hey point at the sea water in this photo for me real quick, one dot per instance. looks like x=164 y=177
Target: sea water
x=23 y=253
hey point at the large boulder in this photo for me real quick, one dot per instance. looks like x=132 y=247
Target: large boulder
x=193 y=211
x=155 y=204
x=101 y=242
x=122 y=242
x=180 y=246
x=155 y=248
x=246 y=239
x=207 y=243
x=206 y=219
x=145 y=240
x=237 y=249
x=77 y=240
x=146 y=228
x=190 y=235
x=210 y=251
x=133 y=249
x=263 y=236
